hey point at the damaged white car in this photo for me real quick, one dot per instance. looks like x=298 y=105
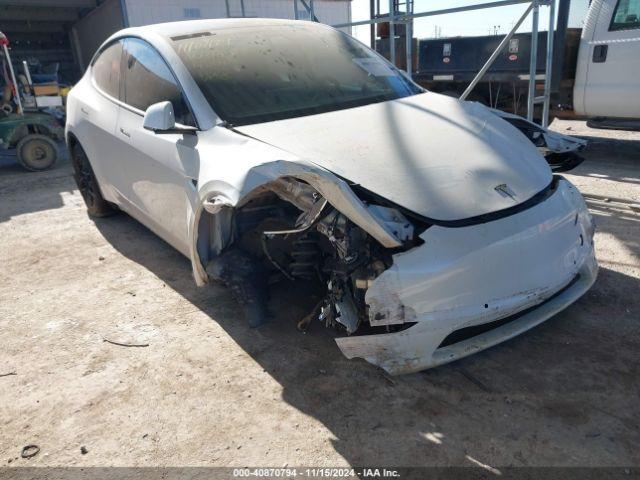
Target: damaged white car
x=262 y=148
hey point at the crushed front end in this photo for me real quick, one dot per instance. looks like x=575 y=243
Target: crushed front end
x=400 y=292
x=467 y=288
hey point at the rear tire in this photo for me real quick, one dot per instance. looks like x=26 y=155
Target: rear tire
x=37 y=152
x=88 y=185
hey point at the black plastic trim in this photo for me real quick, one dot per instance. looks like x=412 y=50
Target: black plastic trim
x=466 y=333
x=563 y=162
x=539 y=197
x=489 y=217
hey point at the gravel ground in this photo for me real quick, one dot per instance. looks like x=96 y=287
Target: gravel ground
x=207 y=390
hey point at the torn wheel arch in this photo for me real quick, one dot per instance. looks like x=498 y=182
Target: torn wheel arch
x=218 y=202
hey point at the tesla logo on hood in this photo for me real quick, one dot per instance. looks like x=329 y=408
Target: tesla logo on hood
x=504 y=190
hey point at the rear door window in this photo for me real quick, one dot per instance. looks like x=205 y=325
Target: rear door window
x=106 y=69
x=148 y=80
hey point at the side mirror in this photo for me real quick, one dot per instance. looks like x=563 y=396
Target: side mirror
x=159 y=117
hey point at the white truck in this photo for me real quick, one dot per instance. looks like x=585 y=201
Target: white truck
x=607 y=81
x=596 y=69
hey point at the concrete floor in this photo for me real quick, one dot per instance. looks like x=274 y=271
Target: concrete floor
x=210 y=391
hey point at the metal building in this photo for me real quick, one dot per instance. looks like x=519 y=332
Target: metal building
x=67 y=32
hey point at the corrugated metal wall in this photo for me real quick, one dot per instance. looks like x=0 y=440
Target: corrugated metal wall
x=144 y=12
x=89 y=32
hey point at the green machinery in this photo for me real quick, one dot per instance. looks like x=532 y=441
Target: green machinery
x=32 y=134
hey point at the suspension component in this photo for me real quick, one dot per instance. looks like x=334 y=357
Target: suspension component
x=306 y=258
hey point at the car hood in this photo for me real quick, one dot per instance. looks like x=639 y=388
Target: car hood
x=429 y=153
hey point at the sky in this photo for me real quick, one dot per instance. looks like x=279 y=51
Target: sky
x=474 y=23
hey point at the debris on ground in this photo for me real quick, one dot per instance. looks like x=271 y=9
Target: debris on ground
x=306 y=321
x=83 y=450
x=466 y=374
x=30 y=451
x=122 y=344
x=388 y=378
x=8 y=374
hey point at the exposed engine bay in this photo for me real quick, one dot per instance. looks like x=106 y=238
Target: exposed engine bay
x=288 y=231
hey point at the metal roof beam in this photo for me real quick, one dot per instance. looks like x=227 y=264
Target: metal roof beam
x=36 y=27
x=50 y=3
x=9 y=14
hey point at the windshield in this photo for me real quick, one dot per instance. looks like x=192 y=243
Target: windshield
x=259 y=74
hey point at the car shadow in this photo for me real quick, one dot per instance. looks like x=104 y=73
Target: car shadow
x=539 y=392
x=45 y=187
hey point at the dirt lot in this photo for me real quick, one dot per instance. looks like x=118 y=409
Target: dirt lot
x=207 y=390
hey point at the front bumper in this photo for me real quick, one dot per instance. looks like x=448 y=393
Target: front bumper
x=521 y=269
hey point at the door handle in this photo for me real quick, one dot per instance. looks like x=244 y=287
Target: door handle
x=600 y=53
x=84 y=110
x=125 y=133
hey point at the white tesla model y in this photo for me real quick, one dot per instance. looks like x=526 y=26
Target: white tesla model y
x=257 y=147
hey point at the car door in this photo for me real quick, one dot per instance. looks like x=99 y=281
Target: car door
x=161 y=168
x=96 y=114
x=612 y=56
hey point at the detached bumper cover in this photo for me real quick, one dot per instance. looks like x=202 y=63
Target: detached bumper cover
x=522 y=269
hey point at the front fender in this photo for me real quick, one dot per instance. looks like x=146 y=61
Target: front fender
x=221 y=199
